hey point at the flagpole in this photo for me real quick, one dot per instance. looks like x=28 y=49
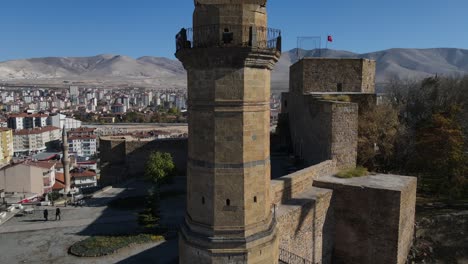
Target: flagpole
x=326 y=44
x=320 y=47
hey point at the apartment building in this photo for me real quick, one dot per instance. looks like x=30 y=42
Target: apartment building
x=83 y=145
x=60 y=120
x=28 y=177
x=27 y=120
x=83 y=178
x=28 y=141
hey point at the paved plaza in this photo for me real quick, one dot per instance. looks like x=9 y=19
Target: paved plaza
x=31 y=239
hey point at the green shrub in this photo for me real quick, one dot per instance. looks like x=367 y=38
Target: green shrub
x=147 y=219
x=352 y=173
x=105 y=245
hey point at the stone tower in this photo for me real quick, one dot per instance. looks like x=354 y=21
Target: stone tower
x=229 y=55
x=65 y=160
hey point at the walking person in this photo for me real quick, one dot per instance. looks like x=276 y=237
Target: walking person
x=58 y=214
x=46 y=214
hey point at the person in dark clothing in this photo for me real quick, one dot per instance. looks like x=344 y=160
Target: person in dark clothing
x=57 y=214
x=46 y=214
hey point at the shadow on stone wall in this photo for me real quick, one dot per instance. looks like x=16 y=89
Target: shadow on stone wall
x=122 y=159
x=305 y=218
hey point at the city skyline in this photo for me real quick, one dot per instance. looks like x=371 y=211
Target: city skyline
x=146 y=28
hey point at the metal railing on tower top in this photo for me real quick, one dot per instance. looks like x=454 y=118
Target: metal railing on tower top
x=223 y=35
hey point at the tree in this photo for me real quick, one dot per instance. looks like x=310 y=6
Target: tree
x=173 y=111
x=378 y=131
x=433 y=114
x=440 y=154
x=159 y=168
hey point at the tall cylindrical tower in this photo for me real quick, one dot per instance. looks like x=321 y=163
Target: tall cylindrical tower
x=229 y=54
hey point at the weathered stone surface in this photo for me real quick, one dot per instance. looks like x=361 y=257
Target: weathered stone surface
x=286 y=187
x=122 y=157
x=333 y=75
x=229 y=212
x=374 y=217
x=305 y=223
x=329 y=126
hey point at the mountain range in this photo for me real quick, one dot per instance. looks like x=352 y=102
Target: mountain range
x=167 y=73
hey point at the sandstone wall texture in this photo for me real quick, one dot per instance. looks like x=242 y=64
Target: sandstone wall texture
x=285 y=188
x=373 y=218
x=323 y=130
x=229 y=214
x=305 y=224
x=121 y=159
x=312 y=75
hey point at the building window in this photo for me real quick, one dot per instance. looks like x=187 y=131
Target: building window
x=339 y=87
x=255 y=199
x=228 y=202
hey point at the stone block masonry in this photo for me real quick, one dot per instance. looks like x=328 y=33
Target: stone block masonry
x=305 y=224
x=333 y=75
x=284 y=188
x=373 y=218
x=124 y=157
x=329 y=126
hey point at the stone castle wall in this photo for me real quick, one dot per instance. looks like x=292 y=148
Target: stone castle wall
x=373 y=218
x=344 y=133
x=121 y=159
x=329 y=126
x=286 y=187
x=333 y=75
x=303 y=212
x=322 y=218
x=305 y=224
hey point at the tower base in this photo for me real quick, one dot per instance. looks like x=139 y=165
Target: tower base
x=260 y=248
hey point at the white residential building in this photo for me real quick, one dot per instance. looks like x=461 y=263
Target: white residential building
x=82 y=178
x=83 y=145
x=27 y=141
x=59 y=120
x=12 y=108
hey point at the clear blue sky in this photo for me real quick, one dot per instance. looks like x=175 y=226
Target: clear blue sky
x=39 y=28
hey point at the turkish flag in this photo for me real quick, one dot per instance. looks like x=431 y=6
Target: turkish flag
x=330 y=38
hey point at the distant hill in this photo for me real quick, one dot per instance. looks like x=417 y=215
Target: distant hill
x=392 y=63
x=160 y=72
x=168 y=73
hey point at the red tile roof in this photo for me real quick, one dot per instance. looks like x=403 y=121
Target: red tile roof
x=41 y=164
x=60 y=177
x=86 y=173
x=82 y=129
x=34 y=131
x=82 y=137
x=58 y=186
x=28 y=115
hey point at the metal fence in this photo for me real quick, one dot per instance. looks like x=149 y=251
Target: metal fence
x=290 y=258
x=222 y=35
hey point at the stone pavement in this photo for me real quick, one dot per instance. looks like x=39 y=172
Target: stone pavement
x=30 y=239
